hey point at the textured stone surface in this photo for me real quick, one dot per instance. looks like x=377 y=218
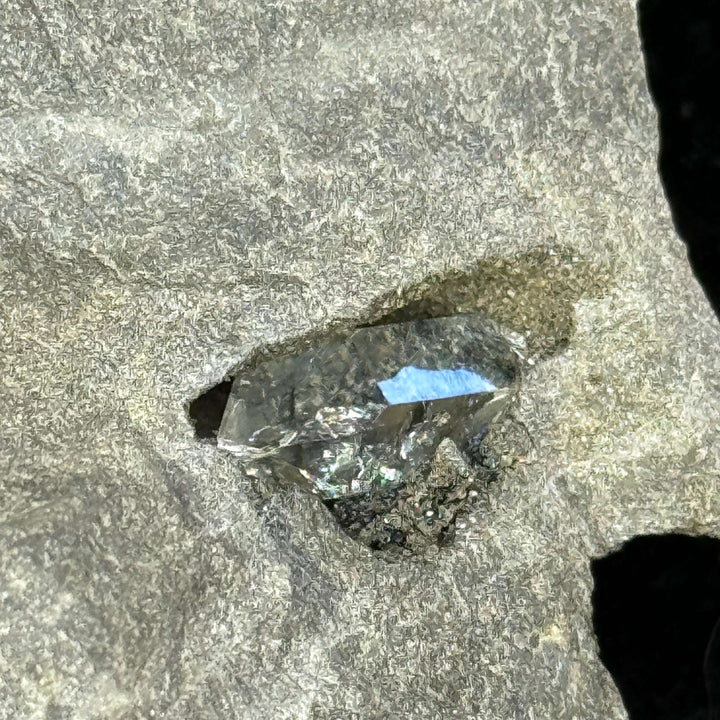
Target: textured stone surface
x=184 y=184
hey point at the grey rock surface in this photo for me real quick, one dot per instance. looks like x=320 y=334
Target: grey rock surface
x=184 y=183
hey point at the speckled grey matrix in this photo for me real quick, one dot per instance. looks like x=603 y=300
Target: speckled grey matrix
x=184 y=183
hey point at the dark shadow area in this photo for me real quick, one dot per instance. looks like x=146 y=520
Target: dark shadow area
x=206 y=410
x=656 y=602
x=681 y=41
x=532 y=294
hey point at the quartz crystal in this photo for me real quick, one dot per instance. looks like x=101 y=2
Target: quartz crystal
x=360 y=413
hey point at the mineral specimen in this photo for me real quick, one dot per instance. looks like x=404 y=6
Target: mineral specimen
x=361 y=413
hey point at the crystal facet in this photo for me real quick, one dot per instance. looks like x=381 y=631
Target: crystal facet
x=413 y=384
x=361 y=413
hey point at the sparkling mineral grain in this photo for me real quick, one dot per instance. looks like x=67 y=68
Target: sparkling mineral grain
x=361 y=413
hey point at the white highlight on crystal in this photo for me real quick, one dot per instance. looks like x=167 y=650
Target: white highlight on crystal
x=413 y=384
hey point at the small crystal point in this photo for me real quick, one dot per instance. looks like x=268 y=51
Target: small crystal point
x=361 y=413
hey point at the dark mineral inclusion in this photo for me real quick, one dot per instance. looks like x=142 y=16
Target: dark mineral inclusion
x=359 y=414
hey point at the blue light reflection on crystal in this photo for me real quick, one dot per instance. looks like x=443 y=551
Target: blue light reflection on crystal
x=413 y=384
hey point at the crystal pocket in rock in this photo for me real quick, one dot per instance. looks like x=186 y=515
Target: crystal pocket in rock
x=364 y=412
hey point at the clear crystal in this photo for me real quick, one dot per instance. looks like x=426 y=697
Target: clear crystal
x=362 y=412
